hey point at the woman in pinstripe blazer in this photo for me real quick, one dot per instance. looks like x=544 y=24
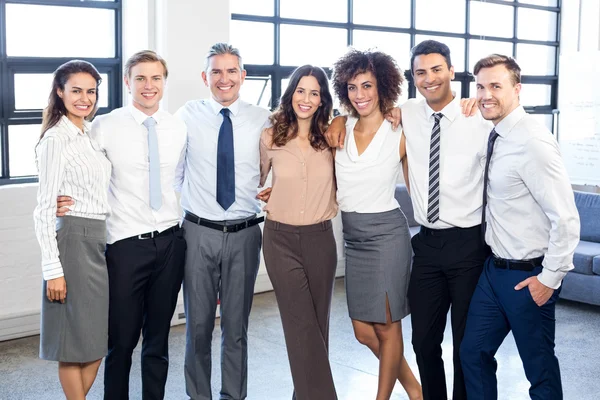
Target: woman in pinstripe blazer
x=74 y=326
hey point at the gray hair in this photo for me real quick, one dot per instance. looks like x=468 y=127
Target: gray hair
x=222 y=48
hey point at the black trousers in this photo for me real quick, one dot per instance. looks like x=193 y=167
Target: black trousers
x=446 y=268
x=144 y=280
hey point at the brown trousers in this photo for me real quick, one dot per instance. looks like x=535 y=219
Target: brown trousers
x=301 y=263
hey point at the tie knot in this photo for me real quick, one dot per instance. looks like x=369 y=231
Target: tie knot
x=493 y=136
x=149 y=122
x=225 y=112
x=438 y=117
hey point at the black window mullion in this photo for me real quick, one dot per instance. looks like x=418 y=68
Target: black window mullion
x=111 y=5
x=4 y=166
x=350 y=22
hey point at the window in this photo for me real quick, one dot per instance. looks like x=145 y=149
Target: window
x=40 y=36
x=318 y=32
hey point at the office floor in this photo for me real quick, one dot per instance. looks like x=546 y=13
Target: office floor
x=24 y=376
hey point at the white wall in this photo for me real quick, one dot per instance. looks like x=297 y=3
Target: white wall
x=181 y=31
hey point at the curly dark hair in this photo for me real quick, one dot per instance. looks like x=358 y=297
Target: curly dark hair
x=385 y=69
x=284 y=120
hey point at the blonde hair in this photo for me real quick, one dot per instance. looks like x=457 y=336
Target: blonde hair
x=498 y=59
x=142 y=57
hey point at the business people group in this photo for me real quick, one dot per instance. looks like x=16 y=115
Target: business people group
x=467 y=177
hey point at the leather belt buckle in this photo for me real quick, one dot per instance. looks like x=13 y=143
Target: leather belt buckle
x=148 y=235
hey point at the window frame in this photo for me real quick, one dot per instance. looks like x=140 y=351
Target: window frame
x=279 y=72
x=9 y=66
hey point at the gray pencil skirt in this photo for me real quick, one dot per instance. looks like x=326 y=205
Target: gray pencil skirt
x=77 y=331
x=378 y=259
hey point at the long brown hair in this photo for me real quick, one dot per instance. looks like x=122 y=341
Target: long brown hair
x=56 y=107
x=284 y=120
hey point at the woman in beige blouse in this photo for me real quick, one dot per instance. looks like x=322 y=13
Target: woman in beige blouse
x=299 y=247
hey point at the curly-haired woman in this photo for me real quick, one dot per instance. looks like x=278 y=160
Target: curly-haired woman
x=299 y=247
x=378 y=252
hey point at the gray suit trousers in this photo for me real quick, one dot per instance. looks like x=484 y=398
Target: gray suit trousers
x=224 y=266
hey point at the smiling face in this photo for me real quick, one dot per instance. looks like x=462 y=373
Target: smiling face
x=362 y=93
x=224 y=78
x=146 y=82
x=497 y=94
x=79 y=96
x=432 y=79
x=307 y=97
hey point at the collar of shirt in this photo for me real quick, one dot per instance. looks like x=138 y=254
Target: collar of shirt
x=140 y=117
x=234 y=107
x=505 y=126
x=450 y=112
x=73 y=130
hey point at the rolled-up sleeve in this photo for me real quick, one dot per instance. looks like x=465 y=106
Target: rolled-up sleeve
x=544 y=174
x=51 y=165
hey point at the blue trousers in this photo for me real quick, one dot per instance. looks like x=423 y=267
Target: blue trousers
x=497 y=308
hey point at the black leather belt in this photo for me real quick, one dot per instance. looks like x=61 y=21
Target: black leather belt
x=448 y=231
x=152 y=235
x=223 y=226
x=519 y=265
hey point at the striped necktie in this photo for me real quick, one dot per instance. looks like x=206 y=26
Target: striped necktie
x=433 y=205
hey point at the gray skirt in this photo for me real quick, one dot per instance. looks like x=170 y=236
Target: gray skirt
x=77 y=331
x=378 y=259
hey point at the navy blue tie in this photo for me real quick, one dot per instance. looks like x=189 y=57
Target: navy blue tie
x=225 y=163
x=490 y=150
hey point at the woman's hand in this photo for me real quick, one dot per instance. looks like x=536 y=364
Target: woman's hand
x=56 y=289
x=264 y=195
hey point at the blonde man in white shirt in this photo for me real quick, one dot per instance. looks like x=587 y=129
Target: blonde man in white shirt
x=146 y=247
x=74 y=315
x=533 y=230
x=219 y=199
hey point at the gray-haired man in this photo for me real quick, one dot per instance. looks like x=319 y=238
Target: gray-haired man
x=221 y=227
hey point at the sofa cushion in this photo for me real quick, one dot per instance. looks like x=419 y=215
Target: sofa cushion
x=596 y=265
x=588 y=205
x=405 y=204
x=584 y=256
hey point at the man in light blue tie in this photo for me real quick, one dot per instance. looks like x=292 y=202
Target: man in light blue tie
x=146 y=247
x=224 y=239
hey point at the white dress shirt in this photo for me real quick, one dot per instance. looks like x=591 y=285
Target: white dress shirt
x=531 y=208
x=125 y=141
x=463 y=148
x=70 y=163
x=199 y=191
x=367 y=182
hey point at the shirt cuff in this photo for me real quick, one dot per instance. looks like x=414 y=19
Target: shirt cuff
x=52 y=270
x=550 y=278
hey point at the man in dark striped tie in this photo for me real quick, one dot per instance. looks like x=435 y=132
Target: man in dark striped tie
x=446 y=152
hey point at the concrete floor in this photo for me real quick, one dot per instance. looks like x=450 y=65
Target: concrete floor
x=24 y=376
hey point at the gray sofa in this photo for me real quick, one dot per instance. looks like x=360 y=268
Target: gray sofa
x=581 y=284
x=406 y=206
